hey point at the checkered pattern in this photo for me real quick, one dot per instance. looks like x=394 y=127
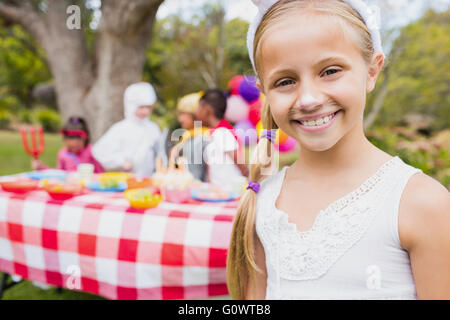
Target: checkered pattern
x=97 y=243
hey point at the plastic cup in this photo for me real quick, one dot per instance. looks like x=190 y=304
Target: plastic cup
x=85 y=171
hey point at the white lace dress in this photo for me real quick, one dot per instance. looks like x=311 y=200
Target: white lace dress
x=353 y=250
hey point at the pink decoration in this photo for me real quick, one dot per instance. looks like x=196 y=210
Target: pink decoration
x=254 y=114
x=288 y=145
x=237 y=109
x=234 y=83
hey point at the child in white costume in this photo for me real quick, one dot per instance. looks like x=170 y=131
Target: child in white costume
x=346 y=220
x=132 y=144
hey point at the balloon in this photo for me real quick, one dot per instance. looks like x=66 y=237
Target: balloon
x=248 y=90
x=254 y=114
x=288 y=145
x=281 y=136
x=237 y=109
x=246 y=132
x=234 y=83
x=259 y=129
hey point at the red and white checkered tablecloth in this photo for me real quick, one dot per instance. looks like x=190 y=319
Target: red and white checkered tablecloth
x=97 y=243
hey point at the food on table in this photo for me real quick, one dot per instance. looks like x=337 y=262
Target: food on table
x=64 y=191
x=117 y=176
x=109 y=183
x=173 y=178
x=142 y=198
x=138 y=183
x=20 y=185
x=107 y=187
x=174 y=183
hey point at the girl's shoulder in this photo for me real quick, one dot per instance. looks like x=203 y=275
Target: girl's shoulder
x=62 y=152
x=272 y=182
x=424 y=209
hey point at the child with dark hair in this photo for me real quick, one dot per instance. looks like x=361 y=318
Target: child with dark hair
x=77 y=149
x=223 y=151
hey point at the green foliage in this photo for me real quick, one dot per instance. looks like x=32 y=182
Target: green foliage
x=23 y=66
x=26 y=116
x=431 y=155
x=5 y=119
x=14 y=159
x=50 y=120
x=419 y=75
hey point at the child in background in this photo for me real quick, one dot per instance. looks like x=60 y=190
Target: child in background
x=222 y=152
x=346 y=220
x=77 y=148
x=191 y=145
x=131 y=145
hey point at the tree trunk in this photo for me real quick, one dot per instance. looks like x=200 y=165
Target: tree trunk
x=86 y=85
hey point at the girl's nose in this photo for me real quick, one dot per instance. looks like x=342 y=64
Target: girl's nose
x=308 y=102
x=307 y=97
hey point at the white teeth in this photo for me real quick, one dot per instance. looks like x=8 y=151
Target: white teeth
x=317 y=122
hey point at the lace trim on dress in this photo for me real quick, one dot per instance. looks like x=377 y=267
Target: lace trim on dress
x=307 y=255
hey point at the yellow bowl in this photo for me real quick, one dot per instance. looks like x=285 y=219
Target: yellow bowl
x=136 y=200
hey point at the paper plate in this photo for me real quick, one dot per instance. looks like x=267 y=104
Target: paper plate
x=95 y=186
x=205 y=196
x=47 y=174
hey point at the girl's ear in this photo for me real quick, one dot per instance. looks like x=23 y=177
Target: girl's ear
x=374 y=71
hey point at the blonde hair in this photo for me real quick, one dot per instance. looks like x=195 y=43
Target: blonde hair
x=241 y=265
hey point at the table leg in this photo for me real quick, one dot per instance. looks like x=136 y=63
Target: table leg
x=3 y=284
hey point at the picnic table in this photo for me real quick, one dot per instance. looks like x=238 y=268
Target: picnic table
x=97 y=243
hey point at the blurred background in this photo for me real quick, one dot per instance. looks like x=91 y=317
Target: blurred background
x=49 y=72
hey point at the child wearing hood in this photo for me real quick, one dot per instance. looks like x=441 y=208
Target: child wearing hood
x=132 y=144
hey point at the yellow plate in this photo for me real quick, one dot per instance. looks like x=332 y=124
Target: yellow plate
x=118 y=176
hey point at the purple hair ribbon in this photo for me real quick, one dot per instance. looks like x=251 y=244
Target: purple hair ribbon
x=269 y=134
x=254 y=186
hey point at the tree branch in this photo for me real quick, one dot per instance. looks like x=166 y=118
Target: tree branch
x=11 y=13
x=24 y=14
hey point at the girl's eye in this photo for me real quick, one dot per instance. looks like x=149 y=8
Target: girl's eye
x=285 y=83
x=331 y=72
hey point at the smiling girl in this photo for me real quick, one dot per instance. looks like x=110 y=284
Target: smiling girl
x=346 y=220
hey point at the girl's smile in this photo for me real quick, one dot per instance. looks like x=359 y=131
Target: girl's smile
x=317 y=123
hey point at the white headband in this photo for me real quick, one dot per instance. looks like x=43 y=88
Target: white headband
x=369 y=15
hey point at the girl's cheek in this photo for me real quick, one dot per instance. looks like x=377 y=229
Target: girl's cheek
x=280 y=103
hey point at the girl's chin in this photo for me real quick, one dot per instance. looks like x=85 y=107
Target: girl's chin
x=317 y=147
x=317 y=144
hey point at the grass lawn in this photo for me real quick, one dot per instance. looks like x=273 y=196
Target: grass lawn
x=13 y=158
